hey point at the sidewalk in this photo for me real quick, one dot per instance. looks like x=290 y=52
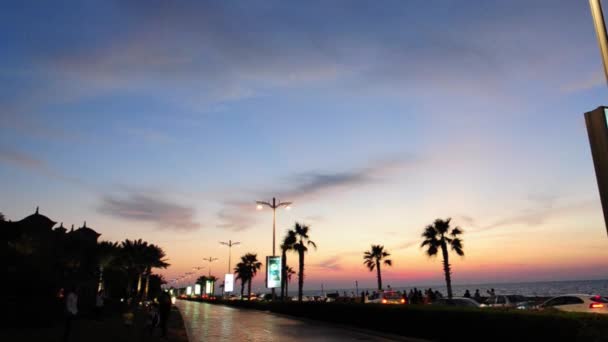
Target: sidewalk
x=111 y=328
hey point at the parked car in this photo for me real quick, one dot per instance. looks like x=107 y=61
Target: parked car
x=577 y=303
x=507 y=301
x=387 y=297
x=457 y=301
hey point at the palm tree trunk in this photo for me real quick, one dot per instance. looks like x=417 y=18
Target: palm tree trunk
x=242 y=288
x=147 y=284
x=379 y=275
x=301 y=275
x=286 y=288
x=100 y=283
x=446 y=268
x=139 y=279
x=283 y=273
x=249 y=289
x=129 y=284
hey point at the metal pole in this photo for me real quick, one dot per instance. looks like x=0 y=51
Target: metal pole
x=600 y=30
x=274 y=205
x=274 y=230
x=229 y=254
x=274 y=224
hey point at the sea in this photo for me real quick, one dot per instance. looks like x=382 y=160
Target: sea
x=530 y=289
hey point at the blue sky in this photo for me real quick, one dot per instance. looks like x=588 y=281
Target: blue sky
x=165 y=120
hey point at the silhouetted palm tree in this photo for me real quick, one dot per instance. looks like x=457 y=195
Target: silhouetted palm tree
x=288 y=242
x=439 y=235
x=107 y=254
x=289 y=273
x=202 y=280
x=242 y=274
x=374 y=258
x=155 y=258
x=247 y=269
x=301 y=247
x=134 y=261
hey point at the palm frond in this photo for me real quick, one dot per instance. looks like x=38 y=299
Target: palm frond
x=457 y=246
x=456 y=231
x=312 y=243
x=429 y=232
x=432 y=250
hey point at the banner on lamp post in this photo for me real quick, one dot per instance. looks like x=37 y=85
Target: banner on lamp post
x=197 y=289
x=229 y=282
x=273 y=272
x=209 y=287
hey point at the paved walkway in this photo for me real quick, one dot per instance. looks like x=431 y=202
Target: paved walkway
x=210 y=322
x=110 y=329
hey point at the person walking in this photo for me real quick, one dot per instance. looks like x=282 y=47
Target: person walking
x=71 y=307
x=477 y=296
x=164 y=311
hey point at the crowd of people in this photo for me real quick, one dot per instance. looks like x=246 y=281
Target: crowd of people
x=416 y=296
x=157 y=311
x=477 y=296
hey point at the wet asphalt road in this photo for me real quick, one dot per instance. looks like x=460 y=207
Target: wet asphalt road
x=207 y=322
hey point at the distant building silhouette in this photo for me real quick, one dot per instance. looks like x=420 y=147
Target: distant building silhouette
x=85 y=234
x=37 y=224
x=42 y=260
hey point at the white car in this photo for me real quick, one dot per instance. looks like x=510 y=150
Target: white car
x=506 y=301
x=578 y=303
x=457 y=301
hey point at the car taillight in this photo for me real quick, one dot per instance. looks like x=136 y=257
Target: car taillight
x=596 y=306
x=384 y=301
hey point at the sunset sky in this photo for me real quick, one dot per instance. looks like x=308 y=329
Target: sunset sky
x=167 y=120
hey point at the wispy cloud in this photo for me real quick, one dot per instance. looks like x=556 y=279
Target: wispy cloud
x=21 y=159
x=405 y=245
x=468 y=221
x=28 y=162
x=595 y=80
x=317 y=183
x=236 y=215
x=331 y=264
x=164 y=214
x=538 y=215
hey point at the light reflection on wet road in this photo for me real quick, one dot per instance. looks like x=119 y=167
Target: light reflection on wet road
x=207 y=322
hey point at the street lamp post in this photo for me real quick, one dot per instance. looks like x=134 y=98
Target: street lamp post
x=210 y=260
x=597 y=120
x=600 y=30
x=230 y=243
x=274 y=205
x=198 y=268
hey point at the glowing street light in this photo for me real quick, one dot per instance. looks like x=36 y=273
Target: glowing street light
x=230 y=243
x=274 y=205
x=210 y=260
